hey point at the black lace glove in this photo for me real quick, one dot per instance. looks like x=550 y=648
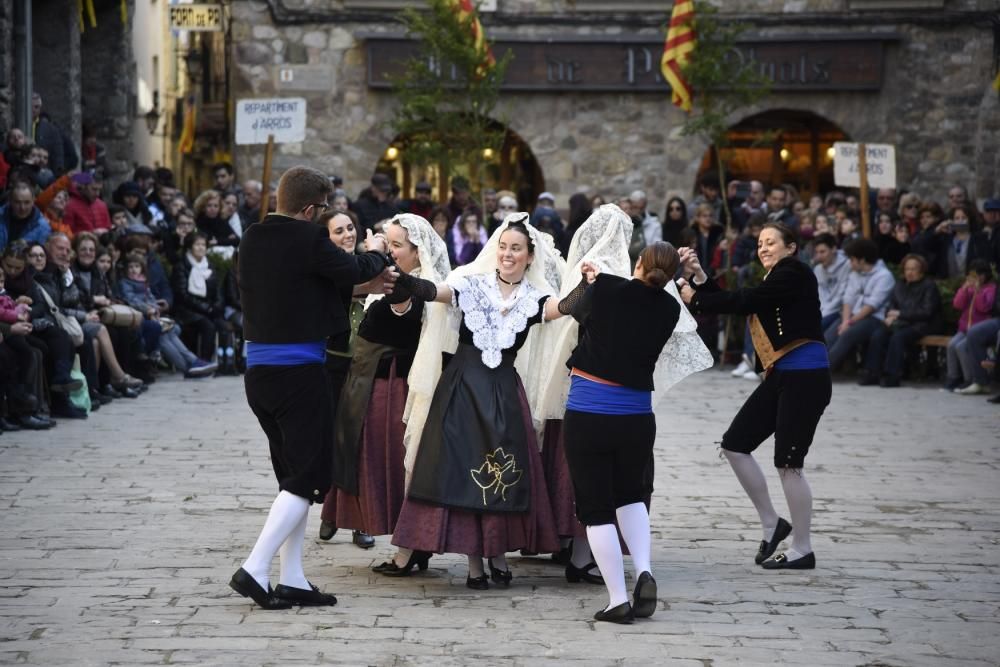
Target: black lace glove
x=569 y=303
x=407 y=287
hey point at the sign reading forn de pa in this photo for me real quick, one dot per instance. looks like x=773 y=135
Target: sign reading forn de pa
x=200 y=18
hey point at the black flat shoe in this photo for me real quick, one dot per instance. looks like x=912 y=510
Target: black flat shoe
x=304 y=598
x=244 y=584
x=33 y=423
x=644 y=597
x=562 y=557
x=362 y=539
x=477 y=584
x=389 y=568
x=781 y=531
x=781 y=562
x=9 y=425
x=620 y=614
x=65 y=385
x=327 y=530
x=501 y=578
x=575 y=575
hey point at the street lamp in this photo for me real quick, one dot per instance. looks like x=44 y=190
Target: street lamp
x=153 y=115
x=193 y=62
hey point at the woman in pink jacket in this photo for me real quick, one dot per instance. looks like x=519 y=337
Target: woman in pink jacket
x=974 y=302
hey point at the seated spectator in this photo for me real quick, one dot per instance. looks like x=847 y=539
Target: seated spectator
x=929 y=242
x=129 y=195
x=468 y=237
x=209 y=220
x=20 y=219
x=865 y=299
x=374 y=204
x=847 y=231
x=198 y=302
x=230 y=203
x=134 y=291
x=822 y=225
x=709 y=190
x=890 y=249
x=52 y=203
x=225 y=179
x=249 y=210
x=86 y=212
x=975 y=301
x=779 y=208
x=832 y=269
x=914 y=312
x=340 y=202
x=14 y=151
x=156 y=274
x=909 y=211
x=745 y=248
x=991 y=226
x=173 y=243
x=159 y=201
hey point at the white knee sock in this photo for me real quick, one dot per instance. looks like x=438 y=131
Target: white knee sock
x=752 y=479
x=633 y=521
x=286 y=512
x=800 y=498
x=608 y=555
x=580 y=556
x=291 y=556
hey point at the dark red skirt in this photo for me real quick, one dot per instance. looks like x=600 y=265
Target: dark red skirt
x=381 y=477
x=559 y=482
x=426 y=527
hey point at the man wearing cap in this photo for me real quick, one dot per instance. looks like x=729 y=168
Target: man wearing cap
x=421 y=204
x=85 y=211
x=373 y=204
x=991 y=226
x=545 y=218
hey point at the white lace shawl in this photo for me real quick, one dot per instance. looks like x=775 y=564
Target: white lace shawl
x=440 y=332
x=603 y=240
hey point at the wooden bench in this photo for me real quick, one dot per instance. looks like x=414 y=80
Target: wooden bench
x=934 y=341
x=931 y=359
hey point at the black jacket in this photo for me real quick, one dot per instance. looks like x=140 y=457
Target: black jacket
x=919 y=305
x=72 y=300
x=188 y=306
x=626 y=323
x=371 y=211
x=290 y=275
x=786 y=303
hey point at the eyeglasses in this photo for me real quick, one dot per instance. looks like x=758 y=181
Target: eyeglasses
x=322 y=207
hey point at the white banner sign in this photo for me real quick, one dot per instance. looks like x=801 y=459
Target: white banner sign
x=880 y=162
x=284 y=117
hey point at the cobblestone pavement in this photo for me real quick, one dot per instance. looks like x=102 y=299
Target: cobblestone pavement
x=119 y=536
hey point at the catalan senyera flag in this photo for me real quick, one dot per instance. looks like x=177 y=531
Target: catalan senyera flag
x=186 y=142
x=466 y=10
x=677 y=52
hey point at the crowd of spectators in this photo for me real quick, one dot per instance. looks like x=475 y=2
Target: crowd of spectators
x=102 y=292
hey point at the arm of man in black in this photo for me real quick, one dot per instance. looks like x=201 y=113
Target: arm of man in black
x=783 y=285
x=334 y=264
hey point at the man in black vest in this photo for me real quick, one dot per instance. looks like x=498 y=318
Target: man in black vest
x=290 y=275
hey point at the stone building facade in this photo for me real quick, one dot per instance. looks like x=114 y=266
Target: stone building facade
x=915 y=74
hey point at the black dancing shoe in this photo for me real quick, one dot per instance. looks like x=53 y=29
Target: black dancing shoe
x=362 y=539
x=501 y=578
x=781 y=562
x=481 y=583
x=244 y=584
x=781 y=531
x=327 y=529
x=9 y=424
x=562 y=557
x=304 y=598
x=575 y=575
x=389 y=568
x=644 y=597
x=621 y=614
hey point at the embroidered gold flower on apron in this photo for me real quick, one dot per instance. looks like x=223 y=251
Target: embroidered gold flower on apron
x=498 y=473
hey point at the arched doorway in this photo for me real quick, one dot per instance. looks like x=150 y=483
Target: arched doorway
x=781 y=146
x=513 y=167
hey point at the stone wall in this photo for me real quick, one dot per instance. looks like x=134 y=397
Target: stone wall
x=935 y=103
x=56 y=62
x=6 y=68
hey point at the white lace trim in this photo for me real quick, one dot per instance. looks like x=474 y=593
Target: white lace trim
x=494 y=321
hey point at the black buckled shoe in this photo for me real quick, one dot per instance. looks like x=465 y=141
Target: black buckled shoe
x=481 y=583
x=575 y=575
x=501 y=578
x=620 y=614
x=420 y=559
x=304 y=598
x=362 y=539
x=327 y=529
x=781 y=562
x=644 y=597
x=766 y=549
x=244 y=584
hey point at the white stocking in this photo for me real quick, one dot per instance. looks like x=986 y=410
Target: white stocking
x=286 y=512
x=291 y=556
x=752 y=479
x=800 y=498
x=402 y=556
x=633 y=521
x=608 y=555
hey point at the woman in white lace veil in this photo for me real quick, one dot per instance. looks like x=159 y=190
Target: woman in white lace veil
x=475 y=479
x=368 y=439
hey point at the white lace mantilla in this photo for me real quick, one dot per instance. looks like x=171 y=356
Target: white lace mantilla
x=494 y=320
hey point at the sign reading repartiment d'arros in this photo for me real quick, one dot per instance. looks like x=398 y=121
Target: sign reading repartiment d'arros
x=828 y=62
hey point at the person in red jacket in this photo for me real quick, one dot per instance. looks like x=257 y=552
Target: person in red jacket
x=86 y=211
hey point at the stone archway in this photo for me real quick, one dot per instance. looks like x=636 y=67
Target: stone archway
x=514 y=167
x=780 y=146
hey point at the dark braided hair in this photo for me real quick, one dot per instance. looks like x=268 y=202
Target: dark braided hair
x=522 y=227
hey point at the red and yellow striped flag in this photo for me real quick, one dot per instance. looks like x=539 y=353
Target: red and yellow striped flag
x=186 y=142
x=677 y=52
x=466 y=11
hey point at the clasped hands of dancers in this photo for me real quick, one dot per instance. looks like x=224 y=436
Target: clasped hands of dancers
x=435 y=439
